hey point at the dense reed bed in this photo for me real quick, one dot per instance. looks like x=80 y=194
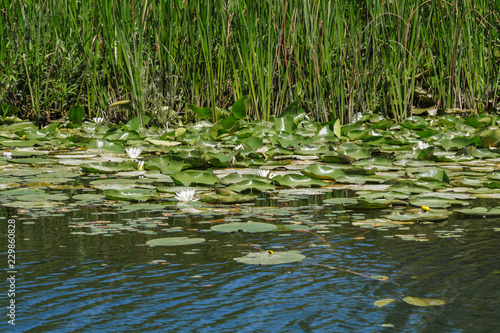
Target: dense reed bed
x=335 y=57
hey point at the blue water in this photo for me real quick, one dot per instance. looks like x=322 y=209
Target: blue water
x=96 y=283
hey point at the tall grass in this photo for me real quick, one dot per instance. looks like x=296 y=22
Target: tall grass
x=336 y=57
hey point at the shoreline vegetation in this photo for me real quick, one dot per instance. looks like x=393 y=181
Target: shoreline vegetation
x=165 y=59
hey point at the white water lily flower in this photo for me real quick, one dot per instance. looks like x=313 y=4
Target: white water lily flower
x=186 y=196
x=421 y=145
x=7 y=154
x=266 y=173
x=239 y=147
x=433 y=111
x=133 y=153
x=98 y=120
x=263 y=173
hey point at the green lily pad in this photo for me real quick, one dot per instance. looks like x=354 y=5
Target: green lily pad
x=244 y=227
x=174 y=241
x=321 y=171
x=422 y=216
x=166 y=143
x=108 y=166
x=134 y=194
x=340 y=201
x=375 y=204
x=190 y=177
x=268 y=258
x=419 y=301
x=490 y=138
x=166 y=164
x=105 y=144
x=227 y=199
x=436 y=202
x=295 y=181
x=383 y=302
x=251 y=185
x=433 y=175
x=478 y=211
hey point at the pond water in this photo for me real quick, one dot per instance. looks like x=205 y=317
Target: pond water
x=72 y=280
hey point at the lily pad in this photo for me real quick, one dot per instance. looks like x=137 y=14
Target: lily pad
x=268 y=258
x=294 y=181
x=251 y=185
x=433 y=175
x=244 y=227
x=174 y=241
x=478 y=211
x=186 y=178
x=108 y=167
x=135 y=194
x=419 y=301
x=436 y=202
x=320 y=171
x=383 y=302
x=227 y=199
x=423 y=216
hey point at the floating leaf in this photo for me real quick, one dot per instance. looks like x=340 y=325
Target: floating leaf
x=174 y=241
x=253 y=143
x=166 y=164
x=266 y=258
x=478 y=211
x=433 y=175
x=295 y=181
x=186 y=178
x=418 y=301
x=244 y=227
x=321 y=171
x=436 y=202
x=421 y=216
x=375 y=204
x=383 y=302
x=251 y=185
x=227 y=199
x=108 y=167
x=135 y=194
x=105 y=144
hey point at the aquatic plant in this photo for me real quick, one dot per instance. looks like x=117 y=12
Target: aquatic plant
x=133 y=153
x=332 y=59
x=98 y=120
x=186 y=196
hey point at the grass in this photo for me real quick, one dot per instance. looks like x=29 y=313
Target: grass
x=336 y=57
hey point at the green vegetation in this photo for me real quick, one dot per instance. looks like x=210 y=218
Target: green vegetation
x=335 y=58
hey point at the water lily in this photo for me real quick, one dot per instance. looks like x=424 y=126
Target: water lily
x=239 y=147
x=421 y=145
x=140 y=166
x=186 y=196
x=133 y=153
x=266 y=173
x=433 y=111
x=7 y=154
x=98 y=120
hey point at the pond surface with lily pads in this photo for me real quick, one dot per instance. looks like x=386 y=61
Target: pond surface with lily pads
x=237 y=226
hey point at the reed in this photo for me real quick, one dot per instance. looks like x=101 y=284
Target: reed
x=336 y=58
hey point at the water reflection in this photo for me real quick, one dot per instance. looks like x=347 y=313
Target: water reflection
x=109 y=283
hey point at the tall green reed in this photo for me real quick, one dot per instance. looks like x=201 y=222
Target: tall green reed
x=336 y=58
